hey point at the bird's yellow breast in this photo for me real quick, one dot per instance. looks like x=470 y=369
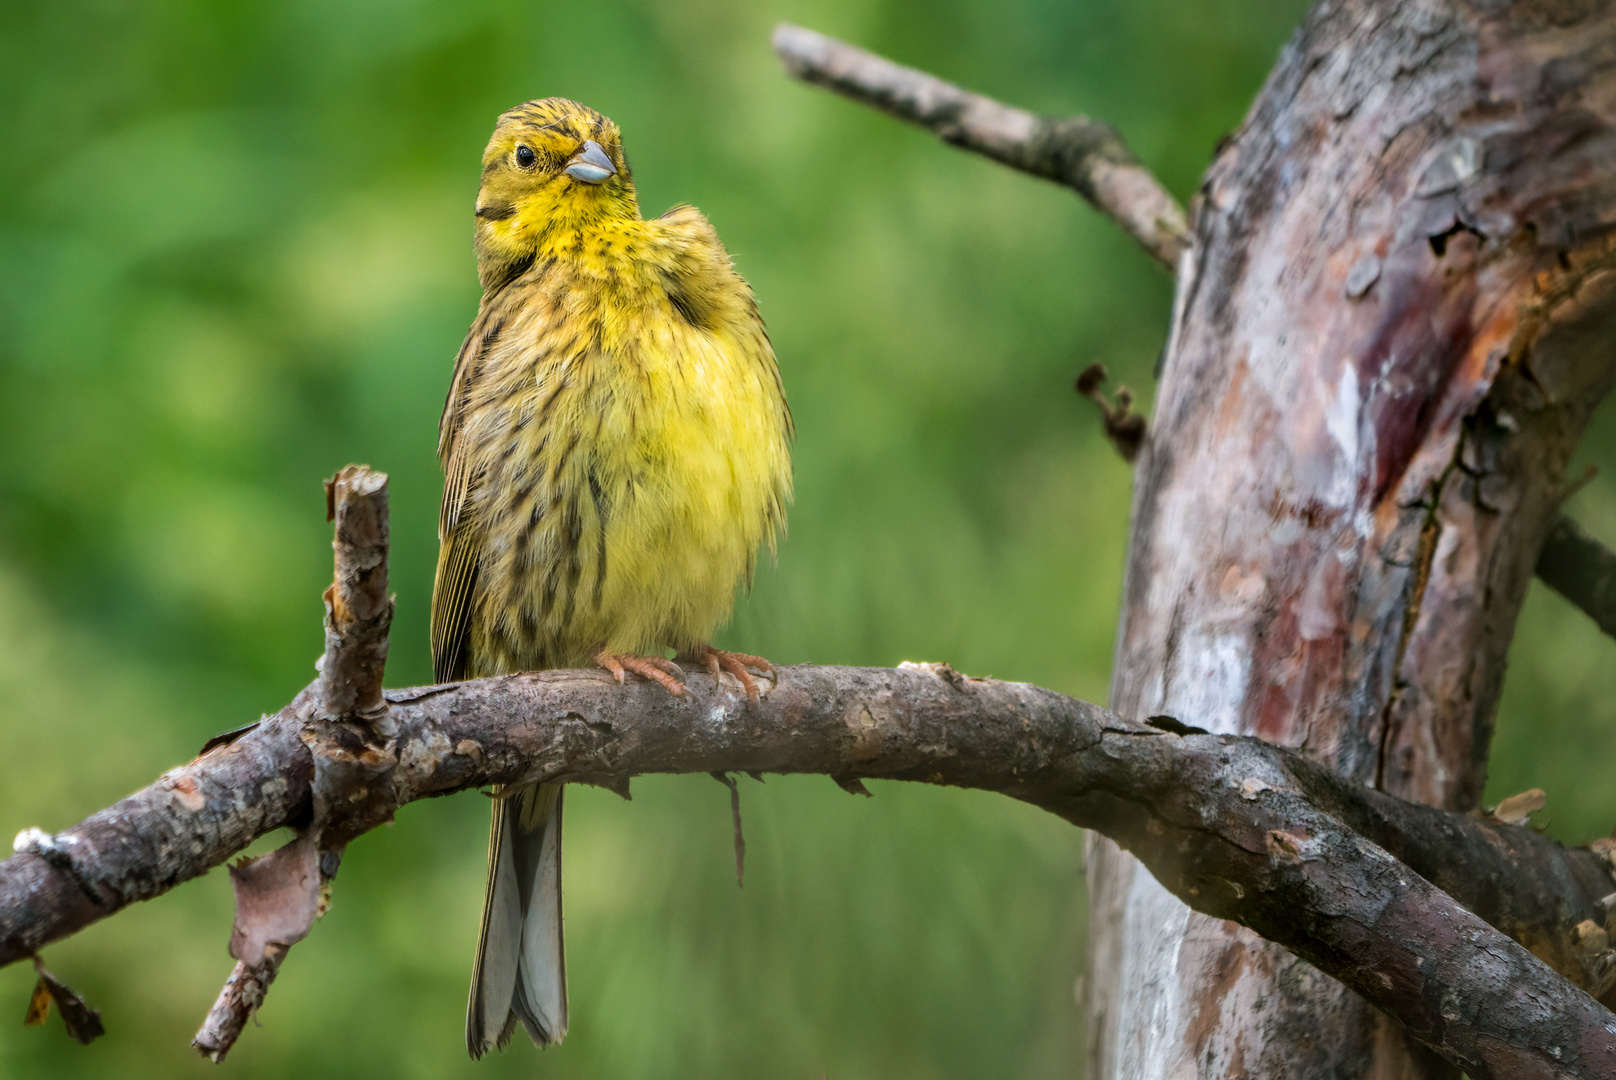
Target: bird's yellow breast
x=625 y=445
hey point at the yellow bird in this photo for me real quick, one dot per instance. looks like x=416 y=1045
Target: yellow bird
x=615 y=447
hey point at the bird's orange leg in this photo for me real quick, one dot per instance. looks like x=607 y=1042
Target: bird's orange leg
x=655 y=668
x=733 y=662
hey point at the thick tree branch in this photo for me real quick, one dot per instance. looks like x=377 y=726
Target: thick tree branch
x=1395 y=324
x=1086 y=155
x=1237 y=827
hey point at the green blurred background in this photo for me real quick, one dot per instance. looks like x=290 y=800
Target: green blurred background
x=235 y=256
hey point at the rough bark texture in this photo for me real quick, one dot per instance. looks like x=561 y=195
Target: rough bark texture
x=155 y=839
x=238 y=1002
x=358 y=607
x=1393 y=325
x=1239 y=828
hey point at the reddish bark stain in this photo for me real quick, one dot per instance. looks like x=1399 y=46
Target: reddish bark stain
x=1412 y=353
x=1223 y=971
x=1233 y=409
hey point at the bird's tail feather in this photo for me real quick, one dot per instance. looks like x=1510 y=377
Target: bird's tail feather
x=520 y=973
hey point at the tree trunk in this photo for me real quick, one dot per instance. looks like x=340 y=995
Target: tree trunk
x=1394 y=322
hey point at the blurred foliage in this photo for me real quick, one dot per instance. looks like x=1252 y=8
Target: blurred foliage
x=235 y=255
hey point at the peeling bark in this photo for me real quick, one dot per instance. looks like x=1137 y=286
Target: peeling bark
x=1393 y=325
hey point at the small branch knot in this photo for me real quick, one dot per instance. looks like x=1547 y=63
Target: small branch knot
x=1124 y=427
x=1067 y=149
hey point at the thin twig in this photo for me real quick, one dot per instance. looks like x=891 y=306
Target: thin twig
x=1086 y=155
x=238 y=1002
x=735 y=813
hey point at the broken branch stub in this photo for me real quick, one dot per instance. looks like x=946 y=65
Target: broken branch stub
x=359 y=611
x=240 y=999
x=278 y=897
x=1123 y=427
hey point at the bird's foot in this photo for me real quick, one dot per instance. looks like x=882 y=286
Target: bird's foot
x=733 y=662
x=655 y=668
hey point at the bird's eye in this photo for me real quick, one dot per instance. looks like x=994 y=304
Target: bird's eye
x=525 y=157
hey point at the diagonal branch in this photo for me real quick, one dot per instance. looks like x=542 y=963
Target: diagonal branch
x=1237 y=827
x=1582 y=570
x=1086 y=155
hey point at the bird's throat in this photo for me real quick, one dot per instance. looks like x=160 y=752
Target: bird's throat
x=598 y=230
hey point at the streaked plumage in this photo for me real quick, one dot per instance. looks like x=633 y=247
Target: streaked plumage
x=615 y=446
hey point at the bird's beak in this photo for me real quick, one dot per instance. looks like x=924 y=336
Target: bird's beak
x=591 y=165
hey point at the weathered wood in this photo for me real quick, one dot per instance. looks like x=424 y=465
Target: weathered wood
x=358 y=607
x=1393 y=326
x=187 y=822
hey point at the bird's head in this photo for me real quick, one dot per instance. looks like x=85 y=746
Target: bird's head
x=551 y=165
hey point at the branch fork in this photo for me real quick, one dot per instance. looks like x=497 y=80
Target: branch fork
x=346 y=725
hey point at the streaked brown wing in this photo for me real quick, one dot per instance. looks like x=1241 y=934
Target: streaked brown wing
x=451 y=604
x=458 y=545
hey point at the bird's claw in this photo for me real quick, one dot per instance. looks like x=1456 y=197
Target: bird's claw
x=736 y=664
x=656 y=668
